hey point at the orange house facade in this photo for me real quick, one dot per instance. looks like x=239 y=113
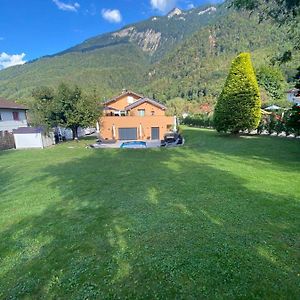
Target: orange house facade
x=131 y=116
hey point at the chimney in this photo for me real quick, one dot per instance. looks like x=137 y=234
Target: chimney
x=124 y=91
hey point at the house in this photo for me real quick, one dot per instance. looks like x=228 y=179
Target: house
x=293 y=96
x=12 y=115
x=131 y=116
x=32 y=137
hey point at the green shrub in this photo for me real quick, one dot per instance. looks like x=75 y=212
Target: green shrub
x=200 y=120
x=238 y=107
x=271 y=124
x=279 y=126
x=293 y=120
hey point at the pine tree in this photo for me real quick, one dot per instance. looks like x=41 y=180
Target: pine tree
x=238 y=107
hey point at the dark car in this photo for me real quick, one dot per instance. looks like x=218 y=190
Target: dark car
x=172 y=139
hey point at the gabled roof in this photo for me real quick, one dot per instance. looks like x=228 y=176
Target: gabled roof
x=110 y=108
x=125 y=93
x=11 y=104
x=143 y=100
x=293 y=90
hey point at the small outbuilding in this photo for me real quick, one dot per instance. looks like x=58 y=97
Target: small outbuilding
x=32 y=137
x=293 y=96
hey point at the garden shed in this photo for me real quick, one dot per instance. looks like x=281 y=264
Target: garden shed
x=32 y=137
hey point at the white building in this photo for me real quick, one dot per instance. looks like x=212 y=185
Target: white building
x=12 y=115
x=293 y=96
x=32 y=137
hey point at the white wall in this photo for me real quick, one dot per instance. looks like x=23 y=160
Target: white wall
x=292 y=98
x=7 y=123
x=31 y=140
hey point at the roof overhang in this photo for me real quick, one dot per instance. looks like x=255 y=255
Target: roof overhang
x=8 y=104
x=144 y=100
x=110 y=108
x=294 y=90
x=127 y=93
x=28 y=130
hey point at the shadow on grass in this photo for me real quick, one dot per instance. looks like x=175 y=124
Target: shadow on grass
x=151 y=224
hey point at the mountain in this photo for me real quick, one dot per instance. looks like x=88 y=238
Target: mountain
x=109 y=61
x=155 y=36
x=198 y=67
x=185 y=53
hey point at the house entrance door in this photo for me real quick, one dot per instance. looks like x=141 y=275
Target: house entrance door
x=154 y=133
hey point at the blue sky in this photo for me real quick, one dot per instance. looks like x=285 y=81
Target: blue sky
x=33 y=28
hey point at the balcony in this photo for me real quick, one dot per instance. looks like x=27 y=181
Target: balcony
x=123 y=113
x=116 y=113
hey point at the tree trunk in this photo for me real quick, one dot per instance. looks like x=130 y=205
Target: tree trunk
x=75 y=132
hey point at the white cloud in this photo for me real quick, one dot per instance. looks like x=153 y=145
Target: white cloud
x=111 y=15
x=67 y=6
x=190 y=6
x=7 y=60
x=163 y=5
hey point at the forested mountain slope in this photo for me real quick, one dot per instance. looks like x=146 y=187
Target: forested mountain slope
x=185 y=54
x=198 y=68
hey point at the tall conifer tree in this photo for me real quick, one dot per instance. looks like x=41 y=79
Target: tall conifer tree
x=238 y=107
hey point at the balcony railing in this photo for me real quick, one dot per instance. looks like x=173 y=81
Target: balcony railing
x=127 y=114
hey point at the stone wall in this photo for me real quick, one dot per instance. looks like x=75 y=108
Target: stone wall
x=6 y=140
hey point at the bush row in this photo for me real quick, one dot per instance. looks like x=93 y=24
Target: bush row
x=278 y=123
x=200 y=120
x=287 y=122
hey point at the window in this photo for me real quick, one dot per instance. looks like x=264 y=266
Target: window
x=141 y=112
x=16 y=116
x=152 y=113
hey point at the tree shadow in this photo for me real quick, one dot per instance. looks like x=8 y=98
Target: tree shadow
x=150 y=224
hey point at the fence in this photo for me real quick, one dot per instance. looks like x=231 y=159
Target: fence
x=6 y=140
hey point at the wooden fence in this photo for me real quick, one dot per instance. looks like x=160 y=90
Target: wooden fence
x=6 y=140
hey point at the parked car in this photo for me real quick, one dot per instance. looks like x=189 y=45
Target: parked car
x=89 y=130
x=172 y=139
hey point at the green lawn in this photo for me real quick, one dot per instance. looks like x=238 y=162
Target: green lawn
x=218 y=218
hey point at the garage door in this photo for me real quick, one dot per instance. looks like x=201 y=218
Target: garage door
x=127 y=133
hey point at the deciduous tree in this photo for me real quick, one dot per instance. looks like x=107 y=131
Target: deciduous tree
x=66 y=106
x=273 y=81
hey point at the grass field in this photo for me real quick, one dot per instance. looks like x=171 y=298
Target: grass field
x=218 y=218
